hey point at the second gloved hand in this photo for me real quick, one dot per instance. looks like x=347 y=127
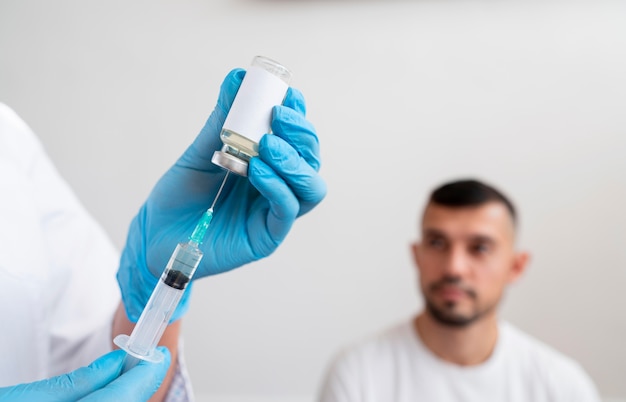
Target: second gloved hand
x=253 y=215
x=99 y=382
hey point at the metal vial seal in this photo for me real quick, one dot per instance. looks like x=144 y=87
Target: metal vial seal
x=264 y=86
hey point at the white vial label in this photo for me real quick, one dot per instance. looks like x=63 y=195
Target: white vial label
x=251 y=112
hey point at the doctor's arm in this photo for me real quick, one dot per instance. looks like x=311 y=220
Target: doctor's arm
x=75 y=286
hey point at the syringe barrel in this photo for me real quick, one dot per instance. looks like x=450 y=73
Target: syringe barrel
x=164 y=299
x=154 y=318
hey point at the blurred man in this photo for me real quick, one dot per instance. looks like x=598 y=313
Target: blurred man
x=457 y=349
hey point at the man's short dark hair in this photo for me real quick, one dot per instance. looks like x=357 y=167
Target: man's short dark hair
x=468 y=193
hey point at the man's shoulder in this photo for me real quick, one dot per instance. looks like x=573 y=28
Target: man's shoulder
x=392 y=336
x=526 y=346
x=378 y=347
x=542 y=360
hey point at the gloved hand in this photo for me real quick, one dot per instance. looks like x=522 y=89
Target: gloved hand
x=253 y=214
x=98 y=382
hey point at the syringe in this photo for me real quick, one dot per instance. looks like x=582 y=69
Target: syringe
x=142 y=342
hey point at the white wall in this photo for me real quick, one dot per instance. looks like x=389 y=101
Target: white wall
x=404 y=94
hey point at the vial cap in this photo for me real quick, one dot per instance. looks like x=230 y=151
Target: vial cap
x=230 y=162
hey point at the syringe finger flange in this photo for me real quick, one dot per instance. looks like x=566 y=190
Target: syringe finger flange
x=123 y=341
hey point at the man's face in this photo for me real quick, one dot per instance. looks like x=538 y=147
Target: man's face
x=465 y=259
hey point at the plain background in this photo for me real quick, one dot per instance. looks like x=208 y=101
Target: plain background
x=528 y=96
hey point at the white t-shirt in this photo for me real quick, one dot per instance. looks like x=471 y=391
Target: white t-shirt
x=397 y=367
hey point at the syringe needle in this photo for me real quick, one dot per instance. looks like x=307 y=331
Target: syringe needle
x=203 y=225
x=219 y=191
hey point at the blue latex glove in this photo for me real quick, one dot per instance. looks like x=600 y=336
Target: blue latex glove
x=252 y=216
x=98 y=382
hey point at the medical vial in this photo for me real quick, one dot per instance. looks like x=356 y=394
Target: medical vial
x=264 y=86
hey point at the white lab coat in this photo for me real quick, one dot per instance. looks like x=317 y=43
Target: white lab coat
x=58 y=290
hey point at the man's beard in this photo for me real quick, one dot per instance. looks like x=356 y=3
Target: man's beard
x=446 y=315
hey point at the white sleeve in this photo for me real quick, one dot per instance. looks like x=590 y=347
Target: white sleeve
x=572 y=383
x=82 y=292
x=75 y=272
x=341 y=383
